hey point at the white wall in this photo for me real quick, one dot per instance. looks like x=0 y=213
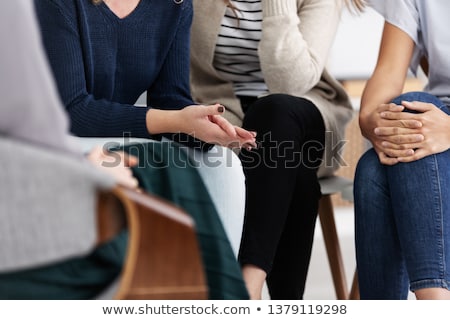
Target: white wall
x=355 y=49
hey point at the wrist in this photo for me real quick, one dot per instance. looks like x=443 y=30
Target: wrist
x=163 y=121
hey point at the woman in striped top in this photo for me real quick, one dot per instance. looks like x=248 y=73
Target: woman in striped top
x=265 y=61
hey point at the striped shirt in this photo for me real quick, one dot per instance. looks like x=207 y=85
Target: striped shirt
x=236 y=53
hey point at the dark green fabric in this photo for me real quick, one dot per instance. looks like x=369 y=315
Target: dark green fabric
x=79 y=278
x=164 y=169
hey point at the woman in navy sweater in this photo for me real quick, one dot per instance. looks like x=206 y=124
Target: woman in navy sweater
x=104 y=56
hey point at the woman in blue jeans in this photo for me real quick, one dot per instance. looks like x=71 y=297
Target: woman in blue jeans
x=402 y=185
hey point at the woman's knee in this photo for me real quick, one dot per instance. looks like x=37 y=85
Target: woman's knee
x=277 y=111
x=281 y=118
x=222 y=173
x=419 y=96
x=368 y=170
x=221 y=169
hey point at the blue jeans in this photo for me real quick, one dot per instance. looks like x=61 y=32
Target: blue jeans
x=403 y=221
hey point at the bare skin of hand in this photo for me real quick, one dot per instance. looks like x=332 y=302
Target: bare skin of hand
x=434 y=131
x=389 y=126
x=116 y=164
x=207 y=124
x=243 y=138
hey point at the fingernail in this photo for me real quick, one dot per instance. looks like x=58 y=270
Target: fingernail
x=220 y=109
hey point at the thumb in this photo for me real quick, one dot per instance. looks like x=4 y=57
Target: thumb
x=215 y=109
x=416 y=106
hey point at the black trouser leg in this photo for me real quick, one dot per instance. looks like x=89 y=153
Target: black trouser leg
x=282 y=190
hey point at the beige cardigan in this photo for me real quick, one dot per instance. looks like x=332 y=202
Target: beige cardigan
x=296 y=40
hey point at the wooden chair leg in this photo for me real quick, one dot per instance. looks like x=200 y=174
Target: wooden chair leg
x=354 y=292
x=326 y=215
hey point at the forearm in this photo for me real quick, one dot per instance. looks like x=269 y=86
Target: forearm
x=164 y=121
x=389 y=77
x=174 y=125
x=101 y=118
x=377 y=91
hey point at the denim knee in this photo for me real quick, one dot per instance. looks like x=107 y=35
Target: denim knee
x=368 y=167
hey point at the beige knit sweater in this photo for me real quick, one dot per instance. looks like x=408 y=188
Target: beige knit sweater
x=296 y=40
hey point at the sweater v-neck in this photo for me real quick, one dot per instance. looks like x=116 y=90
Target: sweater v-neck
x=137 y=12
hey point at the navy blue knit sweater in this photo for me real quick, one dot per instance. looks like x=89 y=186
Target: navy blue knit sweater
x=102 y=64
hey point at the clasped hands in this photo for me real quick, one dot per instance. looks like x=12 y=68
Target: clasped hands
x=204 y=122
x=207 y=123
x=400 y=136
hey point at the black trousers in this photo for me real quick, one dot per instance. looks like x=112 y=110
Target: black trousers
x=282 y=189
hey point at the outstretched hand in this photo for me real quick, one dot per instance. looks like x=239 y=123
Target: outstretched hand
x=207 y=123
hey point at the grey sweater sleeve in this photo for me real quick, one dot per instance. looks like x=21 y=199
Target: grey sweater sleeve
x=30 y=108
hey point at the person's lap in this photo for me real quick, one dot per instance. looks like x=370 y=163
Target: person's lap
x=183 y=185
x=164 y=170
x=76 y=278
x=221 y=171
